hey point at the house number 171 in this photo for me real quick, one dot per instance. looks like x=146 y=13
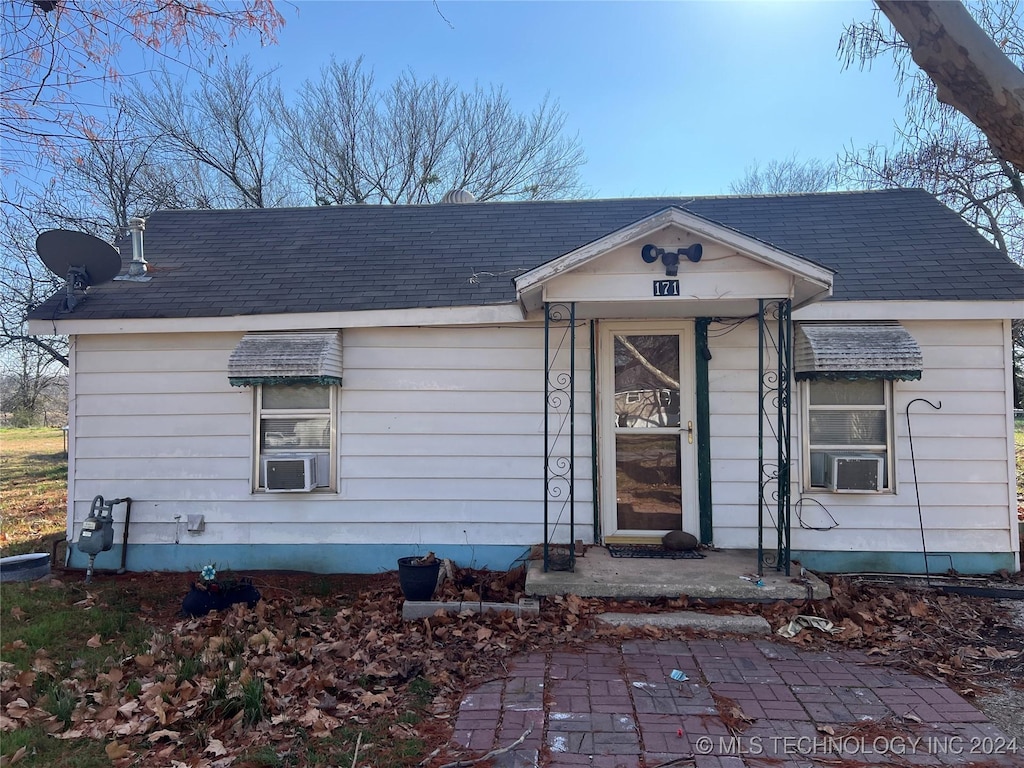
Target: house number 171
x=666 y=287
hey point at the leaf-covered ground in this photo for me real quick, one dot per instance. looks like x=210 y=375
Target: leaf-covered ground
x=323 y=671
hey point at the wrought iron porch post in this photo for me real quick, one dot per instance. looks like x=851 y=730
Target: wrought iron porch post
x=784 y=421
x=559 y=415
x=774 y=385
x=760 y=436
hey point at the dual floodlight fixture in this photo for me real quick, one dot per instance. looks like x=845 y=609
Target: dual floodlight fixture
x=651 y=253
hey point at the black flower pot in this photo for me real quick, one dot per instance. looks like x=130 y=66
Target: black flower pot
x=200 y=601
x=418 y=580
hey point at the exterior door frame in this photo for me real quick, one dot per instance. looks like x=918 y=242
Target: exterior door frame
x=689 y=518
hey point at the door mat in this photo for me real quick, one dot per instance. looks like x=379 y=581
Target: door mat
x=652 y=551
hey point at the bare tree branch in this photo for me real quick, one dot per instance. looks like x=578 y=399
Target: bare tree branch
x=52 y=50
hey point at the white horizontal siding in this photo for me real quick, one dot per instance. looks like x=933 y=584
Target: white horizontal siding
x=154 y=361
x=202 y=446
x=445 y=425
x=238 y=402
x=411 y=401
x=961 y=451
x=963 y=448
x=119 y=381
x=439 y=467
x=408 y=528
x=522 y=445
x=441 y=438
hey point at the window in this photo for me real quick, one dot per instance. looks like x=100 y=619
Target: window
x=848 y=420
x=298 y=421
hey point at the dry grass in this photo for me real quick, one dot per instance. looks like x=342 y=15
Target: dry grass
x=34 y=469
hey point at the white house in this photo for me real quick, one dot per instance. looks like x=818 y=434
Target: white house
x=332 y=388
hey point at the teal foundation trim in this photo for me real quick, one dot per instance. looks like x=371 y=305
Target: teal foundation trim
x=313 y=558
x=703 y=430
x=903 y=562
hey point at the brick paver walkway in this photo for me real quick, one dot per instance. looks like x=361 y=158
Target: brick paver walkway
x=618 y=707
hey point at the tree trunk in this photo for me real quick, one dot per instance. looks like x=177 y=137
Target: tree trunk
x=971 y=72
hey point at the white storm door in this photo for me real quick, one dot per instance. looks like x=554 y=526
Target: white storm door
x=648 y=465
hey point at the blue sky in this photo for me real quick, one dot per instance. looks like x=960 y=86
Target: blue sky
x=666 y=97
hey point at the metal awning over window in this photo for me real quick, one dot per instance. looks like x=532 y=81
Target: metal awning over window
x=301 y=357
x=882 y=350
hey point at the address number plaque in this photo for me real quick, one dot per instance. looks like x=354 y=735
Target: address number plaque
x=666 y=287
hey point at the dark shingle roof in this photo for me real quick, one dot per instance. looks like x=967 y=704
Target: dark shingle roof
x=892 y=244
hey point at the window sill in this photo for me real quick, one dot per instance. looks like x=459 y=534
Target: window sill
x=826 y=492
x=314 y=492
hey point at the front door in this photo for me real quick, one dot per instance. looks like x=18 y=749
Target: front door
x=648 y=470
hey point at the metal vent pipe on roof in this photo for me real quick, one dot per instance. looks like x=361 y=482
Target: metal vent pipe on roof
x=138 y=265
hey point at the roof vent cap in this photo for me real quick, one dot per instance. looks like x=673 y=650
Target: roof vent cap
x=458 y=196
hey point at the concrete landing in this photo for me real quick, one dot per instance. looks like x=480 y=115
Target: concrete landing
x=717 y=576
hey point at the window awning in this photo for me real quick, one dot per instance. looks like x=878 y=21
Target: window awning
x=882 y=350
x=301 y=357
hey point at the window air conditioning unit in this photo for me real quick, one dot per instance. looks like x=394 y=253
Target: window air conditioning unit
x=289 y=474
x=854 y=472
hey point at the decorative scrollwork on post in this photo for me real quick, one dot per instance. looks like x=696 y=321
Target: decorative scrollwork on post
x=559 y=431
x=775 y=355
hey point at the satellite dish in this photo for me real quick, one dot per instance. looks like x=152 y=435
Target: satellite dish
x=81 y=259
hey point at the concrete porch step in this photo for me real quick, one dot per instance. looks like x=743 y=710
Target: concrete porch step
x=720 y=575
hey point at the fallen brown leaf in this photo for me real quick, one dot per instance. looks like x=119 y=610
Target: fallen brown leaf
x=370 y=699
x=919 y=609
x=116 y=751
x=164 y=734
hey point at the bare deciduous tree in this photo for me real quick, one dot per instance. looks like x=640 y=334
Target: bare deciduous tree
x=786 y=176
x=339 y=111
x=414 y=141
x=117 y=175
x=222 y=128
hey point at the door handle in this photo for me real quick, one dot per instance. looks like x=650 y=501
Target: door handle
x=689 y=432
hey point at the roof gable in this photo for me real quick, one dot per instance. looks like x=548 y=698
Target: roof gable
x=803 y=279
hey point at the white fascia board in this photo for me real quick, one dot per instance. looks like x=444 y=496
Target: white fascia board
x=911 y=310
x=748 y=246
x=490 y=314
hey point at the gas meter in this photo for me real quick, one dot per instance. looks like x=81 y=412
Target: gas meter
x=98 y=529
